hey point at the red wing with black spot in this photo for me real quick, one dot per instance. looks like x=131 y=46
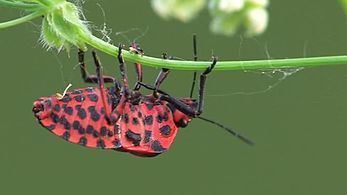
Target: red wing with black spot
x=79 y=117
x=147 y=129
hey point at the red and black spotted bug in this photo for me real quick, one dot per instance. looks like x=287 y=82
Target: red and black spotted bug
x=120 y=118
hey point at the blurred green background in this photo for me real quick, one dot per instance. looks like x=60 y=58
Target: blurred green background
x=299 y=126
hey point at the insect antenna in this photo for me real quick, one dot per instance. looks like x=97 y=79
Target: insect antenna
x=234 y=133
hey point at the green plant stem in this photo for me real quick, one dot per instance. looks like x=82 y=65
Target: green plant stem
x=21 y=20
x=19 y=5
x=44 y=7
x=221 y=65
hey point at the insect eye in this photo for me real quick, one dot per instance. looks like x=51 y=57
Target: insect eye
x=38 y=108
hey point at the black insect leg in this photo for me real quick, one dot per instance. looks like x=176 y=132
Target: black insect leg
x=195 y=57
x=117 y=112
x=203 y=78
x=139 y=73
x=138 y=67
x=179 y=105
x=111 y=115
x=91 y=78
x=193 y=112
x=101 y=81
x=160 y=78
x=123 y=72
x=149 y=87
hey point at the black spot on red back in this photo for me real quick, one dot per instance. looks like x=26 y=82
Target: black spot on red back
x=81 y=112
x=83 y=141
x=159 y=118
x=77 y=91
x=165 y=130
x=79 y=98
x=102 y=110
x=110 y=133
x=57 y=108
x=93 y=113
x=103 y=131
x=117 y=143
x=148 y=136
x=96 y=134
x=64 y=106
x=89 y=129
x=149 y=106
x=135 y=121
x=76 y=125
x=100 y=144
x=81 y=130
x=135 y=138
x=93 y=97
x=66 y=135
x=89 y=89
x=157 y=147
x=149 y=120
x=65 y=122
x=55 y=118
x=68 y=110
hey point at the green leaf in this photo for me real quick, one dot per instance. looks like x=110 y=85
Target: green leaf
x=49 y=36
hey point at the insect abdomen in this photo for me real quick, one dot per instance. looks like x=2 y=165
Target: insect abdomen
x=79 y=117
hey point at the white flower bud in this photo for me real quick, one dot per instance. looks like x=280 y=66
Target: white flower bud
x=257 y=20
x=181 y=9
x=229 y=6
x=260 y=3
x=162 y=8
